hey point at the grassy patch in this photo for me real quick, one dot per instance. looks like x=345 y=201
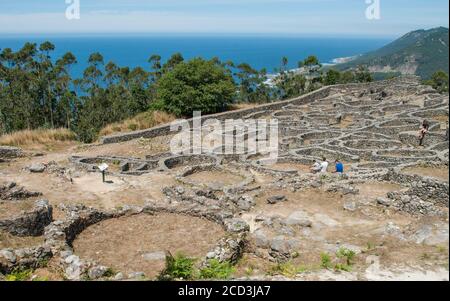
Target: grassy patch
x=141 y=121
x=287 y=269
x=425 y=256
x=346 y=254
x=342 y=262
x=441 y=249
x=39 y=279
x=325 y=261
x=216 y=270
x=39 y=136
x=19 y=275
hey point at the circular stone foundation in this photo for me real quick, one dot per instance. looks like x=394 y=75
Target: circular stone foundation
x=138 y=243
x=214 y=177
x=178 y=162
x=436 y=172
x=284 y=165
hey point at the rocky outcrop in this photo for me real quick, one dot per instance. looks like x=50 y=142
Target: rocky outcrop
x=11 y=191
x=29 y=258
x=9 y=152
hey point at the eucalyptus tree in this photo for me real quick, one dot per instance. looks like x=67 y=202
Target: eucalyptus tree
x=66 y=99
x=155 y=61
x=46 y=81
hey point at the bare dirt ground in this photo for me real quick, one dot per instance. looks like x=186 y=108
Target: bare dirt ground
x=9 y=209
x=10 y=241
x=138 y=148
x=302 y=168
x=215 y=178
x=363 y=231
x=136 y=243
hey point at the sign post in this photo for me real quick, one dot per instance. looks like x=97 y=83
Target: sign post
x=103 y=167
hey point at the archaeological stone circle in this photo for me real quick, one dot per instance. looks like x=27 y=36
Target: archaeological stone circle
x=372 y=128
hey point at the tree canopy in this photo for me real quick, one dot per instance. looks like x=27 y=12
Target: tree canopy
x=196 y=85
x=37 y=91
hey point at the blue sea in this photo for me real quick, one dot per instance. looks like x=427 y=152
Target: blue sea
x=259 y=51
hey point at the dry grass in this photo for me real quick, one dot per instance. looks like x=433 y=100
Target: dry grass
x=240 y=106
x=39 y=136
x=139 y=122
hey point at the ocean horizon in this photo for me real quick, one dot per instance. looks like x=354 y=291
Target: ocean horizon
x=258 y=51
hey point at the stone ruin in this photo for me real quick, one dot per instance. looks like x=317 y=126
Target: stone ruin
x=372 y=128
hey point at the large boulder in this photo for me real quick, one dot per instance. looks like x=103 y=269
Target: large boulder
x=37 y=168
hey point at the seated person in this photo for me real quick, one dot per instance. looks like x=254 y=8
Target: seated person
x=424 y=128
x=324 y=165
x=316 y=167
x=339 y=167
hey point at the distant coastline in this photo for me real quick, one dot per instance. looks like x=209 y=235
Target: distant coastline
x=342 y=60
x=258 y=52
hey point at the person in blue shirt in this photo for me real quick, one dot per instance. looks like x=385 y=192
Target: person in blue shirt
x=339 y=167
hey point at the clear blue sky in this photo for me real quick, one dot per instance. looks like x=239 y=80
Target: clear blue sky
x=291 y=17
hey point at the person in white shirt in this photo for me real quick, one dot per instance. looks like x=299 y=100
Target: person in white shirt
x=316 y=167
x=324 y=165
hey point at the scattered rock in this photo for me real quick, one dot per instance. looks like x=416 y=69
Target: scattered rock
x=10 y=152
x=293 y=244
x=394 y=230
x=280 y=245
x=97 y=272
x=10 y=191
x=118 y=276
x=384 y=202
x=261 y=239
x=74 y=269
x=37 y=168
x=245 y=202
x=8 y=255
x=136 y=275
x=276 y=199
x=236 y=225
x=154 y=256
x=298 y=218
x=350 y=206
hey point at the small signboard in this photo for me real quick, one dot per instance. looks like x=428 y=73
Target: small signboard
x=103 y=167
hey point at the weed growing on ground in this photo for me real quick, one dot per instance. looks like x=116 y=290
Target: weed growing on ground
x=178 y=267
x=19 y=275
x=216 y=270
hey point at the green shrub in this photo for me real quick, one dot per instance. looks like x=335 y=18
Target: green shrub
x=178 y=267
x=19 y=275
x=439 y=81
x=325 y=260
x=342 y=267
x=346 y=254
x=132 y=126
x=216 y=270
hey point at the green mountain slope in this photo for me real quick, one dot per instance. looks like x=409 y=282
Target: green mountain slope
x=420 y=52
